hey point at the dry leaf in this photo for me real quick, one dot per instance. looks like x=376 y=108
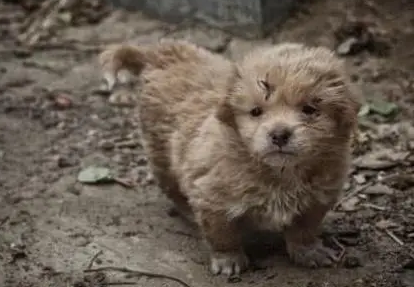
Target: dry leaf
x=386 y=224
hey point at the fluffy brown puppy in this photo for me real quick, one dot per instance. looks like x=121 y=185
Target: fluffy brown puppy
x=265 y=141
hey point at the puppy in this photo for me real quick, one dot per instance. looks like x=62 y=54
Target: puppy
x=265 y=141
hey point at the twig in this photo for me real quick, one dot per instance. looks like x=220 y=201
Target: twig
x=93 y=259
x=125 y=182
x=352 y=194
x=139 y=273
x=374 y=206
x=394 y=237
x=341 y=247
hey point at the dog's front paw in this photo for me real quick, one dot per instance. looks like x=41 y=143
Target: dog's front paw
x=313 y=256
x=228 y=263
x=110 y=66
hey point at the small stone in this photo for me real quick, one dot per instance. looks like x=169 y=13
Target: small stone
x=102 y=90
x=360 y=179
x=348 y=47
x=118 y=158
x=62 y=101
x=347 y=185
x=352 y=262
x=92 y=133
x=149 y=179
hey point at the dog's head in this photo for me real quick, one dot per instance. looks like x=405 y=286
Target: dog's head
x=291 y=103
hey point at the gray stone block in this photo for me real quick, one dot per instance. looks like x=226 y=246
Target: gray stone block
x=245 y=18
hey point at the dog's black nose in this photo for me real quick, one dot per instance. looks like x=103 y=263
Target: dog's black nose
x=280 y=136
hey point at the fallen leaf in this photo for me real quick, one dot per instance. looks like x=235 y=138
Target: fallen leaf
x=95 y=174
x=382 y=107
x=379 y=189
x=400 y=180
x=385 y=224
x=396 y=156
x=374 y=164
x=375 y=160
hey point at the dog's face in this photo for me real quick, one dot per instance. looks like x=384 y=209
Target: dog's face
x=291 y=104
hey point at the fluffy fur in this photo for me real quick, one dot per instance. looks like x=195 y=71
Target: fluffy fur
x=265 y=141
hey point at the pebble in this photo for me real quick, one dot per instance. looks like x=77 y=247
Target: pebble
x=62 y=101
x=347 y=47
x=360 y=178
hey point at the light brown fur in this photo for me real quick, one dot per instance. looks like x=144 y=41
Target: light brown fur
x=214 y=158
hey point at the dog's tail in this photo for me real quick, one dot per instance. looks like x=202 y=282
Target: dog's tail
x=135 y=58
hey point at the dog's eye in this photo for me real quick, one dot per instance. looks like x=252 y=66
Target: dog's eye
x=309 y=110
x=256 y=112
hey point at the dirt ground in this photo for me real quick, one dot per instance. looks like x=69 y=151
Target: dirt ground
x=55 y=121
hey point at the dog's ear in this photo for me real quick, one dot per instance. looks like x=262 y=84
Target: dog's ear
x=225 y=113
x=344 y=106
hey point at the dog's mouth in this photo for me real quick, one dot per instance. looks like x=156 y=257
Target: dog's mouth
x=281 y=152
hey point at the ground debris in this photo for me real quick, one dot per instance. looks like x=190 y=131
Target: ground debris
x=46 y=19
x=354 y=37
x=139 y=274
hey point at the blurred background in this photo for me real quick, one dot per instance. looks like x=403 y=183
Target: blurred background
x=62 y=135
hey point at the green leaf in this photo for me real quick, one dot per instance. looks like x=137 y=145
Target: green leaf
x=382 y=107
x=95 y=174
